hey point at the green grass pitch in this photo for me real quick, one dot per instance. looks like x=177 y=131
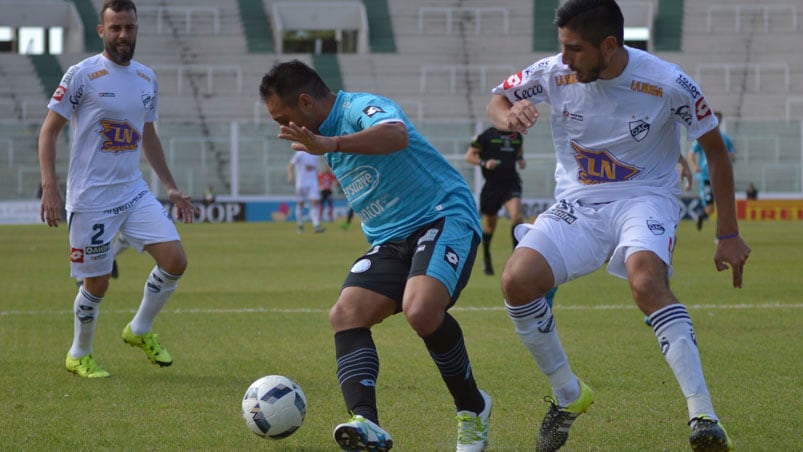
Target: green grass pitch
x=254 y=302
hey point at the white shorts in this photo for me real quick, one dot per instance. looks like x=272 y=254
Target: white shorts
x=143 y=220
x=308 y=191
x=576 y=239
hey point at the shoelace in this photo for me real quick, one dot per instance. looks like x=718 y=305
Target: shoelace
x=470 y=429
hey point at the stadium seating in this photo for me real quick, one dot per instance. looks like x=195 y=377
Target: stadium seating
x=444 y=58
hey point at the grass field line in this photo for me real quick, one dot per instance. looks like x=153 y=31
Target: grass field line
x=775 y=305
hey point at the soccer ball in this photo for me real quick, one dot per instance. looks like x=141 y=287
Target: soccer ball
x=274 y=407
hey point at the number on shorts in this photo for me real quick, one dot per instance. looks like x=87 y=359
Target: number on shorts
x=96 y=239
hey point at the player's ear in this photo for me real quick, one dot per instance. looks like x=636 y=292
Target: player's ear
x=100 y=30
x=306 y=101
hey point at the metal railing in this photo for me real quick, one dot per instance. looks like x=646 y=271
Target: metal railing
x=449 y=13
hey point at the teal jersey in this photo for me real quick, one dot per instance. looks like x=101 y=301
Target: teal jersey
x=399 y=193
x=702 y=162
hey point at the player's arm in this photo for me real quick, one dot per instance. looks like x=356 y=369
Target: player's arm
x=50 y=210
x=383 y=138
x=473 y=155
x=731 y=251
x=291 y=171
x=692 y=156
x=516 y=117
x=152 y=148
x=685 y=173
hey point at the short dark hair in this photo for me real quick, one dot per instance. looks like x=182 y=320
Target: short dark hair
x=117 y=6
x=290 y=79
x=594 y=20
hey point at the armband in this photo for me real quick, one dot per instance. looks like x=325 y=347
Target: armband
x=728 y=236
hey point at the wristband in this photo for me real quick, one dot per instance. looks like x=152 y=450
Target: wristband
x=728 y=236
x=482 y=163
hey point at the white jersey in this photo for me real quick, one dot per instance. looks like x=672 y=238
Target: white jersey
x=108 y=106
x=615 y=138
x=306 y=169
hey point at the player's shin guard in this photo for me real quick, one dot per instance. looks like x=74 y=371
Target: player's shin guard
x=86 y=316
x=673 y=328
x=158 y=288
x=535 y=326
x=448 y=351
x=357 y=371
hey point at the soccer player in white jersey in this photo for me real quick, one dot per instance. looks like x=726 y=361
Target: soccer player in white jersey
x=616 y=118
x=303 y=168
x=110 y=101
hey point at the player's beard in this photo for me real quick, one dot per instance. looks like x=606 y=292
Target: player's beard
x=121 y=57
x=592 y=73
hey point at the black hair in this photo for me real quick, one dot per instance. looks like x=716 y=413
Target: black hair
x=290 y=79
x=117 y=6
x=594 y=20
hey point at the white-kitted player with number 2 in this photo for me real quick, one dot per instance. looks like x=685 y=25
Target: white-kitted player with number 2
x=110 y=101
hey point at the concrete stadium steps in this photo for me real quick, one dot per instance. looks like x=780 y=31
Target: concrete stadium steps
x=21 y=91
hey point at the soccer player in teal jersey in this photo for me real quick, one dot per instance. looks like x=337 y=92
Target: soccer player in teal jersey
x=421 y=220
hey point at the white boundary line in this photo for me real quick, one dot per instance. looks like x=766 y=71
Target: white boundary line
x=775 y=305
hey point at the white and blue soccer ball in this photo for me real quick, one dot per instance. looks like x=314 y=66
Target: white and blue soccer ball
x=274 y=407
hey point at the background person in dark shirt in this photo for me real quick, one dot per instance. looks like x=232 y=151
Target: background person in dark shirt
x=500 y=155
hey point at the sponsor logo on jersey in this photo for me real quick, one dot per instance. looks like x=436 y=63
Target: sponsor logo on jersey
x=701 y=108
x=103 y=94
x=688 y=85
x=77 y=255
x=574 y=116
x=646 y=88
x=143 y=75
x=69 y=75
x=451 y=258
x=683 y=113
x=371 y=110
x=359 y=182
x=98 y=74
x=639 y=129
x=599 y=167
x=118 y=136
x=75 y=99
x=567 y=79
x=513 y=80
x=58 y=95
x=528 y=92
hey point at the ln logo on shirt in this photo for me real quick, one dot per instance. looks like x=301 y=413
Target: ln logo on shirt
x=119 y=136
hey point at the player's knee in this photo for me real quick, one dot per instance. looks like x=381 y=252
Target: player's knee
x=422 y=318
x=97 y=286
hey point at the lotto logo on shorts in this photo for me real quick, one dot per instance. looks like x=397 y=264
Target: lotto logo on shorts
x=451 y=258
x=77 y=255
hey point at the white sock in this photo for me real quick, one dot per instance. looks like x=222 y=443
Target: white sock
x=675 y=333
x=299 y=215
x=86 y=317
x=315 y=215
x=158 y=288
x=536 y=328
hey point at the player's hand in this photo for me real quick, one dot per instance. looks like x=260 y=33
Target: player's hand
x=304 y=140
x=50 y=210
x=685 y=177
x=492 y=164
x=732 y=253
x=185 y=211
x=521 y=116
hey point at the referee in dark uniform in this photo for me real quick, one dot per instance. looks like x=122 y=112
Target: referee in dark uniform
x=500 y=155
